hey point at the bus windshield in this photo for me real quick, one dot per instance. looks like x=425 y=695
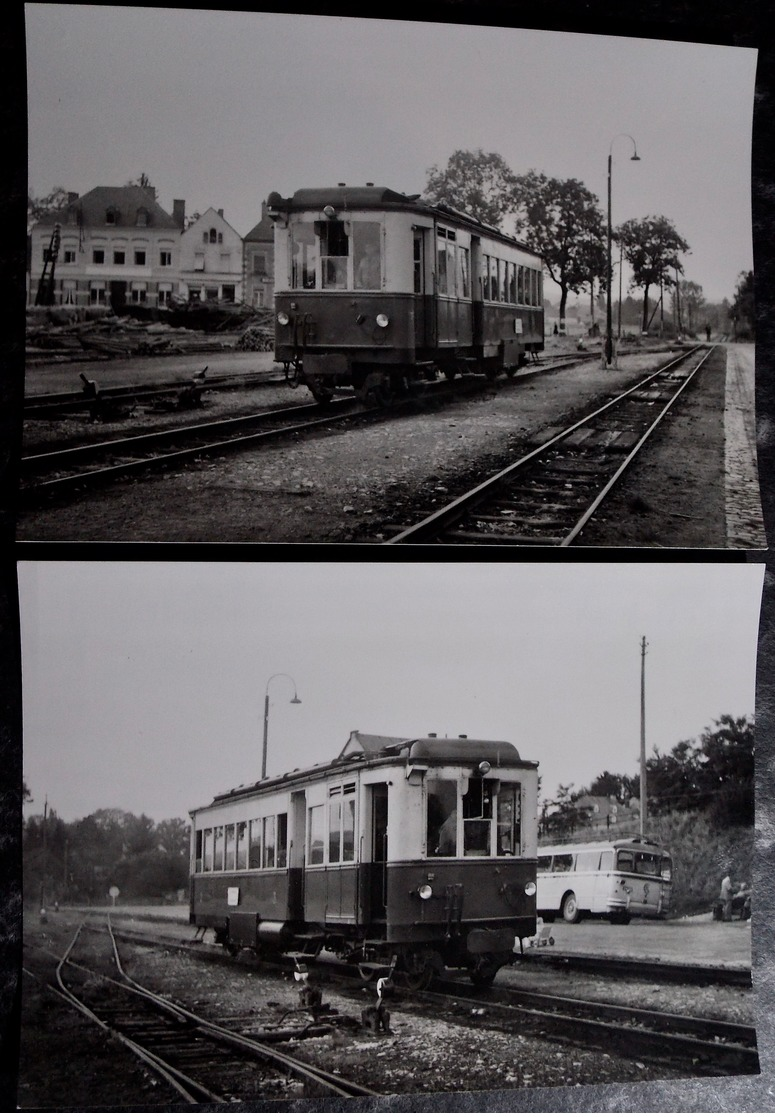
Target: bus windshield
x=640 y=861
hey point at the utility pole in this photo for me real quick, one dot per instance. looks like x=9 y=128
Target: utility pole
x=643 y=808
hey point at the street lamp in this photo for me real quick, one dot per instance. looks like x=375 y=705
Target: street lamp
x=295 y=701
x=609 y=340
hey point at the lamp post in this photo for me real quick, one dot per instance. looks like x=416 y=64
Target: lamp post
x=295 y=701
x=609 y=340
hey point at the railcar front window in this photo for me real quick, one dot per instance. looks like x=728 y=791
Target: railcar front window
x=304 y=251
x=509 y=838
x=441 y=818
x=367 y=256
x=334 y=254
x=477 y=818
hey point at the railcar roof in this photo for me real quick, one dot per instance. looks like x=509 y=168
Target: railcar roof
x=364 y=750
x=380 y=197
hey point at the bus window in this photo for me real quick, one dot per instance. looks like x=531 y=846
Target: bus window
x=625 y=861
x=544 y=864
x=606 y=861
x=647 y=864
x=441 y=818
x=588 y=861
x=563 y=863
x=477 y=815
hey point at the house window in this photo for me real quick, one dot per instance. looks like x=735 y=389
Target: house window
x=140 y=258
x=119 y=257
x=199 y=261
x=98 y=256
x=110 y=217
x=164 y=296
x=139 y=292
x=165 y=259
x=142 y=217
x=225 y=261
x=213 y=236
x=97 y=294
x=69 y=257
x=229 y=292
x=204 y=238
x=259 y=263
x=69 y=287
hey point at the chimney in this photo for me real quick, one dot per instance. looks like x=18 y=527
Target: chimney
x=220 y=213
x=179 y=212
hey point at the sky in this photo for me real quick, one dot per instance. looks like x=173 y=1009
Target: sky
x=144 y=683
x=221 y=108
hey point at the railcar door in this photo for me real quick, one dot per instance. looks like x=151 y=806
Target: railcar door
x=377 y=897
x=477 y=327
x=424 y=317
x=298 y=821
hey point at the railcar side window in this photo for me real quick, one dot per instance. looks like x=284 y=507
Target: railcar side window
x=520 y=284
x=334 y=254
x=217 y=848
x=208 y=851
x=198 y=853
x=509 y=837
x=442 y=279
x=242 y=845
x=231 y=837
x=316 y=835
x=305 y=256
x=441 y=818
x=341 y=824
x=666 y=868
x=463 y=272
x=268 y=858
x=563 y=863
x=477 y=815
x=256 y=841
x=512 y=283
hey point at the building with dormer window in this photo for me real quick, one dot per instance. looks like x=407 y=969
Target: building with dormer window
x=211 y=260
x=118 y=248
x=259 y=263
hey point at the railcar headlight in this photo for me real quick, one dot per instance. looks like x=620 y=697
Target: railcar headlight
x=530 y=888
x=283 y=318
x=383 y=320
x=425 y=892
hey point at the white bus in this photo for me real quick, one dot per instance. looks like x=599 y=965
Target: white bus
x=615 y=879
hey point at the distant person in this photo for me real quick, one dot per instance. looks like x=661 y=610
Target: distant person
x=707 y=331
x=725 y=895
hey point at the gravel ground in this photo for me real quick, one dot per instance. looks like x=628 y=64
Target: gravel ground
x=360 y=484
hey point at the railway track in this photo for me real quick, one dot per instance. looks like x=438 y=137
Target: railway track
x=59 y=472
x=62 y=471
x=710 y=1047
x=548 y=495
x=203 y=1062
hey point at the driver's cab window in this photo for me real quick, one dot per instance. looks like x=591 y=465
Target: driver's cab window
x=477 y=818
x=334 y=254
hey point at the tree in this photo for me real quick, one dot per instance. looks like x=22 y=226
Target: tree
x=37 y=208
x=478 y=183
x=145 y=182
x=691 y=302
x=742 y=309
x=651 y=248
x=562 y=221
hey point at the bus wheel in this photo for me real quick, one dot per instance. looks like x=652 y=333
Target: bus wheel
x=570 y=909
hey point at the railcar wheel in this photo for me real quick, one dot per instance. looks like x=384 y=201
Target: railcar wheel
x=323 y=393
x=417 y=970
x=376 y=390
x=570 y=908
x=483 y=972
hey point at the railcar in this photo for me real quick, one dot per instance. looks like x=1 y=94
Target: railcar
x=614 y=880
x=410 y=854
x=375 y=290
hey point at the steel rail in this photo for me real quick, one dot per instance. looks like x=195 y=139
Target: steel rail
x=442 y=518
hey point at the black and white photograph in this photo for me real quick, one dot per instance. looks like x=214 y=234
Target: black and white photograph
x=324 y=279
x=303 y=832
